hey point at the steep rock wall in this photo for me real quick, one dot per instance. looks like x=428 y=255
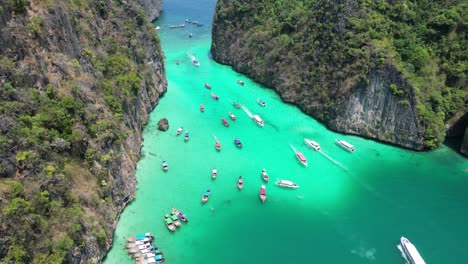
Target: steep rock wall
x=152 y=8
x=107 y=58
x=361 y=103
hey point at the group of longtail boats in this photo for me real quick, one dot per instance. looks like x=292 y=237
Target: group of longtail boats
x=174 y=219
x=141 y=249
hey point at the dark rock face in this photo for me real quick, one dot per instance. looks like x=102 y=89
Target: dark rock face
x=366 y=108
x=152 y=8
x=464 y=145
x=163 y=124
x=65 y=53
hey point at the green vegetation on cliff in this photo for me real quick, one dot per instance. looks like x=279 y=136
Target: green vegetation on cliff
x=325 y=49
x=71 y=78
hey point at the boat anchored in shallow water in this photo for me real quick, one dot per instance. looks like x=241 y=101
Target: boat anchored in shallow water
x=179 y=131
x=238 y=142
x=345 y=145
x=263 y=195
x=232 y=116
x=164 y=165
x=225 y=123
x=260 y=102
x=240 y=183
x=286 y=184
x=312 y=144
x=410 y=252
x=206 y=196
x=187 y=136
x=214 y=173
x=180 y=215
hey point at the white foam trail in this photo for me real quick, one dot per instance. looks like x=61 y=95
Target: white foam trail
x=403 y=253
x=293 y=148
x=247 y=111
x=332 y=160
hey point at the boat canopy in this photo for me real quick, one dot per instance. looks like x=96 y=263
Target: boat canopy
x=140 y=237
x=169 y=220
x=301 y=156
x=262 y=191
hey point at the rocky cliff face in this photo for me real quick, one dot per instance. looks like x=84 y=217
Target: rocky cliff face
x=363 y=104
x=336 y=61
x=152 y=8
x=85 y=76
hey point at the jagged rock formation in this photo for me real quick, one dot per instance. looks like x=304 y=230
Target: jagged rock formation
x=163 y=124
x=152 y=8
x=77 y=82
x=336 y=62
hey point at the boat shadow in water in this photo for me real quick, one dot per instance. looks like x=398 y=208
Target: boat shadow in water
x=276 y=128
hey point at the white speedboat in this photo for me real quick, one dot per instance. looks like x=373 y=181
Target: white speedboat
x=214 y=173
x=312 y=144
x=258 y=120
x=286 y=184
x=345 y=145
x=195 y=62
x=410 y=252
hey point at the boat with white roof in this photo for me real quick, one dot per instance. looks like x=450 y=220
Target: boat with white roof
x=345 y=145
x=410 y=252
x=312 y=144
x=258 y=120
x=286 y=184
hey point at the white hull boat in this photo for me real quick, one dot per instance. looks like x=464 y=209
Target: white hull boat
x=345 y=145
x=312 y=144
x=286 y=184
x=410 y=252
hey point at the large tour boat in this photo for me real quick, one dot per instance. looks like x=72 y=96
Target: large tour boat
x=258 y=120
x=410 y=252
x=312 y=144
x=345 y=145
x=286 y=184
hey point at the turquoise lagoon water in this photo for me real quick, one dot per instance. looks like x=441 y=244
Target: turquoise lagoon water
x=350 y=208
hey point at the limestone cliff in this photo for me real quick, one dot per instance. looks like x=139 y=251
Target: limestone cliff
x=464 y=145
x=335 y=61
x=152 y=8
x=77 y=82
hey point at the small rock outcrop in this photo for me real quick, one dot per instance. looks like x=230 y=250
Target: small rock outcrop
x=163 y=124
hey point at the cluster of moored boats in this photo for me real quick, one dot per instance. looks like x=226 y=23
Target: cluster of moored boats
x=141 y=249
x=174 y=219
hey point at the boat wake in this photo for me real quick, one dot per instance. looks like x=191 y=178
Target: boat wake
x=332 y=160
x=293 y=148
x=403 y=253
x=247 y=111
